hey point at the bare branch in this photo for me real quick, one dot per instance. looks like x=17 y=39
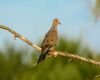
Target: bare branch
x=63 y=54
x=77 y=57
x=20 y=37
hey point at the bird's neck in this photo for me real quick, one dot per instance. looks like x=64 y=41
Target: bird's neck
x=54 y=27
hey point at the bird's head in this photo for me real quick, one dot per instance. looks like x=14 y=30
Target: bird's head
x=56 y=22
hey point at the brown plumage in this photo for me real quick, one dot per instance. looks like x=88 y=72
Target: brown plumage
x=50 y=40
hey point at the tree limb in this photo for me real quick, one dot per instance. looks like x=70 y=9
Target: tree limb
x=20 y=37
x=77 y=57
x=63 y=54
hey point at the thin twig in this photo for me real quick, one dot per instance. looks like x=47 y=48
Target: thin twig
x=97 y=76
x=63 y=54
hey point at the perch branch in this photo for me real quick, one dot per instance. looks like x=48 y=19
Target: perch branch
x=77 y=57
x=63 y=54
x=20 y=37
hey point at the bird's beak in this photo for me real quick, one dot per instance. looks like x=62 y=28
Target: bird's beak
x=59 y=23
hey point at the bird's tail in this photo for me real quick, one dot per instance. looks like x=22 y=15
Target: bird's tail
x=41 y=58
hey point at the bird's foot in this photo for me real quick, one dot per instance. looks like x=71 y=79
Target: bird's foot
x=54 y=53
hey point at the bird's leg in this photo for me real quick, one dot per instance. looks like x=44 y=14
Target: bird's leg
x=52 y=52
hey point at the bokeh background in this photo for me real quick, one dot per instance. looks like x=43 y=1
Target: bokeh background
x=79 y=33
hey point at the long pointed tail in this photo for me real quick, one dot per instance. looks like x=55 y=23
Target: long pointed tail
x=41 y=58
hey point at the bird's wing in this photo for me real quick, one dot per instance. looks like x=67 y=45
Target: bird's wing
x=46 y=42
x=50 y=39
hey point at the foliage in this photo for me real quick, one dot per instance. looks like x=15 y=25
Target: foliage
x=13 y=67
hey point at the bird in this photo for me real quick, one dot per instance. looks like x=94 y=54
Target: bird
x=50 y=40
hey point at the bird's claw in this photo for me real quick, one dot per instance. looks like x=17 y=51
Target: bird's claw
x=54 y=54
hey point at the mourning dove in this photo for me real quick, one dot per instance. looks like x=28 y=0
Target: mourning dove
x=50 y=40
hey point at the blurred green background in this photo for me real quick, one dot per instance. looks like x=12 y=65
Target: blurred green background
x=14 y=65
x=17 y=63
